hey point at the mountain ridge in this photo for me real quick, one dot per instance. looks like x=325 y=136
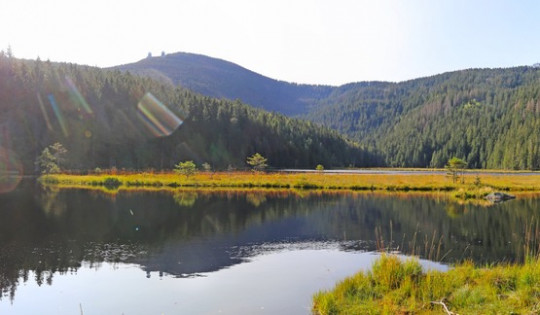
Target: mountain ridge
x=110 y=119
x=420 y=122
x=223 y=79
x=489 y=117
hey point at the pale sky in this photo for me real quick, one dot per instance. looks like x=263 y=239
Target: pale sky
x=303 y=41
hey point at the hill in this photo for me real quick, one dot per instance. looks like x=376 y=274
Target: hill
x=222 y=79
x=106 y=118
x=489 y=117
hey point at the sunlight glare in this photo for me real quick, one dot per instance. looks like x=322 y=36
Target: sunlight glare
x=157 y=117
x=44 y=112
x=76 y=96
x=58 y=114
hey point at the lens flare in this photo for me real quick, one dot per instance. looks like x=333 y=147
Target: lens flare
x=157 y=117
x=11 y=171
x=188 y=152
x=44 y=112
x=76 y=96
x=58 y=114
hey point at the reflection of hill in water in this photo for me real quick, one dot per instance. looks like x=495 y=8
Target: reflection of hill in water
x=193 y=232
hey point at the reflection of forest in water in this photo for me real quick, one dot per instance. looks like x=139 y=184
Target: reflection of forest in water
x=48 y=231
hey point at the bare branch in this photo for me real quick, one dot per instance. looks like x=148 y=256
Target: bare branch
x=446 y=310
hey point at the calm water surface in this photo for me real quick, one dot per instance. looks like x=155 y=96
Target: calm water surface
x=231 y=252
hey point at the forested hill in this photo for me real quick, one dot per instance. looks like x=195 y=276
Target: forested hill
x=107 y=118
x=222 y=79
x=489 y=117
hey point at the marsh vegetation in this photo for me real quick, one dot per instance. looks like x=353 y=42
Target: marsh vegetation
x=470 y=185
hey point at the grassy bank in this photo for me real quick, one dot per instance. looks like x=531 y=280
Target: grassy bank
x=394 y=286
x=473 y=187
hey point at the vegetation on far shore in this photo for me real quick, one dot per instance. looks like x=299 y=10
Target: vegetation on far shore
x=473 y=186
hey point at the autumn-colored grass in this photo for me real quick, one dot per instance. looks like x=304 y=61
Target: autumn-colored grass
x=394 y=286
x=473 y=186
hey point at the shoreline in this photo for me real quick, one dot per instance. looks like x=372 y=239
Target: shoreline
x=398 y=286
x=474 y=186
x=501 y=286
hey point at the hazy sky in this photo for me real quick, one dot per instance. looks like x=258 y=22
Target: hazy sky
x=305 y=41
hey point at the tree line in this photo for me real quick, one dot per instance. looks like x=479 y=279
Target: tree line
x=106 y=118
x=488 y=117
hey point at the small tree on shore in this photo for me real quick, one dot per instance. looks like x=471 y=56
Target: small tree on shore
x=206 y=167
x=257 y=162
x=187 y=168
x=47 y=163
x=456 y=167
x=51 y=159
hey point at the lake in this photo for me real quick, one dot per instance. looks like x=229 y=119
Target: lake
x=226 y=252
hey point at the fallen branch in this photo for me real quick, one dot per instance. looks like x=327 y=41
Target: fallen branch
x=446 y=310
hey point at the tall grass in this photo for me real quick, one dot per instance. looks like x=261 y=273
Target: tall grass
x=532 y=240
x=471 y=189
x=397 y=286
x=394 y=286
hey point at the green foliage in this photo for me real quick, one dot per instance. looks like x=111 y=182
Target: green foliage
x=51 y=158
x=489 y=117
x=455 y=166
x=319 y=167
x=112 y=182
x=206 y=167
x=472 y=105
x=47 y=163
x=187 y=168
x=102 y=128
x=185 y=198
x=477 y=181
x=59 y=153
x=257 y=162
x=396 y=287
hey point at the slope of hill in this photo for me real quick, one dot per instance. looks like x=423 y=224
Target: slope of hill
x=106 y=118
x=489 y=117
x=223 y=79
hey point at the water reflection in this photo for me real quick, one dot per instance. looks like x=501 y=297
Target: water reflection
x=185 y=233
x=185 y=198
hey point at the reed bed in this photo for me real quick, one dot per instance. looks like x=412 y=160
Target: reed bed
x=472 y=187
x=396 y=286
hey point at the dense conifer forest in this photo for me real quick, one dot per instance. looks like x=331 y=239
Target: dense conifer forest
x=488 y=117
x=110 y=118
x=106 y=119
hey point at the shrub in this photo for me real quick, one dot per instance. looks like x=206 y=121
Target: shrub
x=111 y=182
x=257 y=162
x=187 y=168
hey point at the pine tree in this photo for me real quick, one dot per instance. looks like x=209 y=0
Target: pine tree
x=257 y=162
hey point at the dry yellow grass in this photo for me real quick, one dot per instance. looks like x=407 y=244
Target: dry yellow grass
x=474 y=186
